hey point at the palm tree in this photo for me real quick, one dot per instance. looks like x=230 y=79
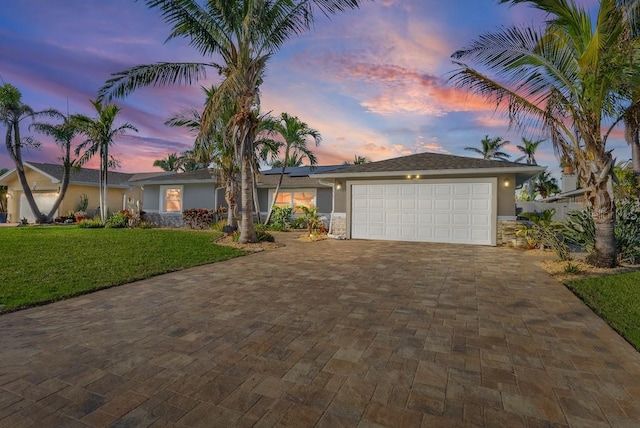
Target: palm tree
x=546 y=185
x=173 y=162
x=63 y=134
x=3 y=193
x=12 y=112
x=529 y=149
x=214 y=147
x=100 y=134
x=631 y=12
x=491 y=148
x=238 y=37
x=293 y=149
x=357 y=160
x=569 y=78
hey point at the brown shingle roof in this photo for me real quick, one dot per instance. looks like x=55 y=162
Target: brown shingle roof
x=425 y=162
x=84 y=175
x=199 y=175
x=299 y=182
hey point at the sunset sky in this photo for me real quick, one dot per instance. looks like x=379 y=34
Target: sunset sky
x=373 y=81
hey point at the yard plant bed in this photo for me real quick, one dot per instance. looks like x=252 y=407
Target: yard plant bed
x=616 y=299
x=48 y=263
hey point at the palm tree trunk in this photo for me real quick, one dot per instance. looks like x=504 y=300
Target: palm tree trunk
x=247 y=231
x=66 y=163
x=635 y=154
x=601 y=201
x=275 y=196
x=16 y=154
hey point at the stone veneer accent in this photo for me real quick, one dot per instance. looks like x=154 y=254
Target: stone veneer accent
x=338 y=224
x=507 y=233
x=165 y=219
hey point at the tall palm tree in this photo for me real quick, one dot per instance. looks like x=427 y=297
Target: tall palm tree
x=173 y=162
x=3 y=193
x=292 y=147
x=214 y=147
x=529 y=148
x=12 y=112
x=491 y=148
x=100 y=133
x=63 y=134
x=238 y=38
x=569 y=78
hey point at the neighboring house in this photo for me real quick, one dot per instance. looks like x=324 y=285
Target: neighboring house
x=165 y=197
x=428 y=197
x=45 y=180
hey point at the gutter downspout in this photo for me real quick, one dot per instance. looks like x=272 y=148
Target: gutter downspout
x=333 y=204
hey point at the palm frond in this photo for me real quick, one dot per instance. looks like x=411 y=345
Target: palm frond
x=159 y=74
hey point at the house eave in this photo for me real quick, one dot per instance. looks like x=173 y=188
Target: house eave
x=529 y=172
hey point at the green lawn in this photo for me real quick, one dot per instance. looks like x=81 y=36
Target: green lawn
x=615 y=298
x=43 y=264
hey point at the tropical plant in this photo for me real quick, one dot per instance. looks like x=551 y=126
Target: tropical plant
x=83 y=204
x=311 y=219
x=12 y=112
x=542 y=231
x=117 y=220
x=572 y=78
x=627 y=185
x=281 y=218
x=214 y=147
x=239 y=38
x=579 y=229
x=491 y=148
x=292 y=146
x=100 y=133
x=173 y=162
x=358 y=160
x=529 y=148
x=545 y=184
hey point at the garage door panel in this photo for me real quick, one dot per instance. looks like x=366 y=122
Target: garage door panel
x=457 y=212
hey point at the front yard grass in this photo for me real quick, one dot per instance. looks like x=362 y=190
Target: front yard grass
x=44 y=264
x=616 y=299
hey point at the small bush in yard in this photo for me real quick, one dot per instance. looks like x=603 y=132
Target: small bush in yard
x=90 y=224
x=264 y=236
x=117 y=220
x=542 y=231
x=146 y=225
x=199 y=218
x=281 y=218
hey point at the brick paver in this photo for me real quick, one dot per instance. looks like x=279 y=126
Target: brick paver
x=331 y=333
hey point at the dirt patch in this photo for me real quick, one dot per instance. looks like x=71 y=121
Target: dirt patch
x=305 y=237
x=574 y=269
x=257 y=247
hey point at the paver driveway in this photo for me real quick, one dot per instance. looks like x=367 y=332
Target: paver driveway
x=332 y=333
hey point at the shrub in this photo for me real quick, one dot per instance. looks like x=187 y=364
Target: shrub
x=146 y=225
x=542 y=231
x=264 y=236
x=218 y=225
x=90 y=224
x=281 y=218
x=199 y=218
x=312 y=220
x=580 y=230
x=298 y=223
x=260 y=227
x=117 y=220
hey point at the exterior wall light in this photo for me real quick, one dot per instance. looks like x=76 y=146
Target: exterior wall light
x=506 y=182
x=338 y=185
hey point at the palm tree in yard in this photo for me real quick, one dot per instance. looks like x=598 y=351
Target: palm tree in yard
x=12 y=112
x=491 y=148
x=100 y=133
x=237 y=38
x=173 y=162
x=291 y=148
x=63 y=135
x=572 y=79
x=528 y=148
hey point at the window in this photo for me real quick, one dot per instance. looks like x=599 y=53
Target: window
x=295 y=199
x=171 y=199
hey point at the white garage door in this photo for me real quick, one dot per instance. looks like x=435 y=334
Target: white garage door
x=45 y=202
x=426 y=211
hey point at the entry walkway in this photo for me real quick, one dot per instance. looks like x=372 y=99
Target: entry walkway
x=331 y=333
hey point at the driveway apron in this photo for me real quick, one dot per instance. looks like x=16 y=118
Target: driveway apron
x=330 y=333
